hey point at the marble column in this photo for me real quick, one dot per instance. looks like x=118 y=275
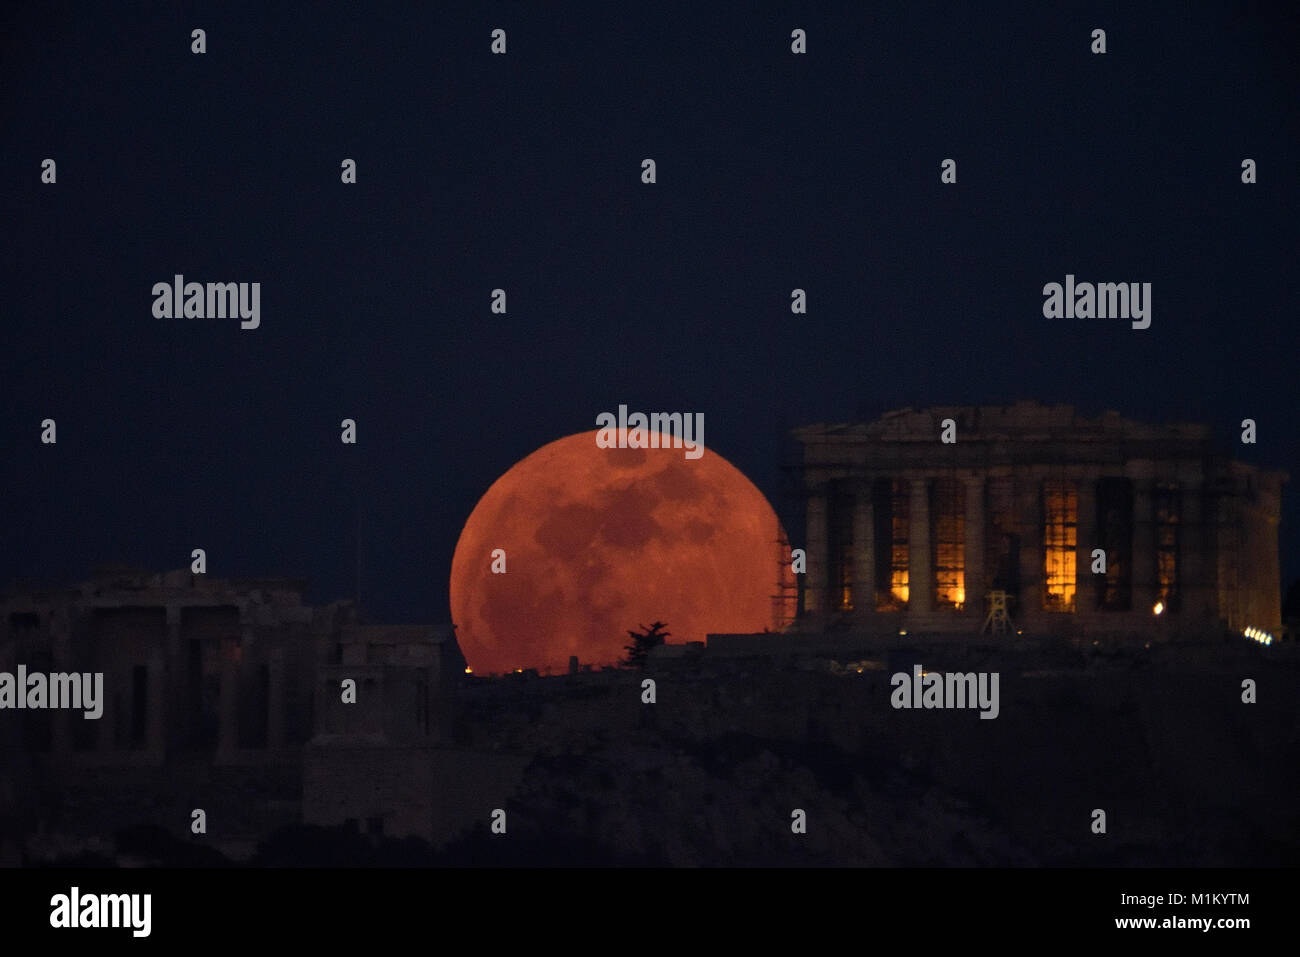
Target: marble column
x=1086 y=536
x=228 y=728
x=1144 y=581
x=60 y=718
x=275 y=736
x=1029 y=496
x=815 y=546
x=920 y=574
x=1195 y=581
x=177 y=728
x=106 y=723
x=864 y=550
x=156 y=705
x=974 y=576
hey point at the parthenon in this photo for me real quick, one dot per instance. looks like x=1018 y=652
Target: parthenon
x=909 y=528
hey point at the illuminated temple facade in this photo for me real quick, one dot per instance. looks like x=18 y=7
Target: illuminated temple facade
x=907 y=531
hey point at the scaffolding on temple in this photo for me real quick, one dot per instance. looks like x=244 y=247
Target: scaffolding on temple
x=785 y=602
x=998 y=621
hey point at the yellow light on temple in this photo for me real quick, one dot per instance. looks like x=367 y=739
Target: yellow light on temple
x=899 y=587
x=1060 y=540
x=1258 y=634
x=469 y=670
x=1159 y=608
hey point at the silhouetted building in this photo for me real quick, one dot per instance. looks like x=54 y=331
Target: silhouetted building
x=225 y=693
x=907 y=531
x=371 y=761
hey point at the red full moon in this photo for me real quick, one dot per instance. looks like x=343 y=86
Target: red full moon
x=595 y=542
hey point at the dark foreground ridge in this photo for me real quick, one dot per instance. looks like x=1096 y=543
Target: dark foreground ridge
x=710 y=774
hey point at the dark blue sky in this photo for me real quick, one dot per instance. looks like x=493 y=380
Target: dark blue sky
x=522 y=171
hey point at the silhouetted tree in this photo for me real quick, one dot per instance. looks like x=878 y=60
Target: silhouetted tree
x=644 y=640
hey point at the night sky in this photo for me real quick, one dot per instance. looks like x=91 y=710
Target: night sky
x=522 y=171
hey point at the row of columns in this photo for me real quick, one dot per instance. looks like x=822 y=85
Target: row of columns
x=920 y=575
x=1193 y=556
x=168 y=694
